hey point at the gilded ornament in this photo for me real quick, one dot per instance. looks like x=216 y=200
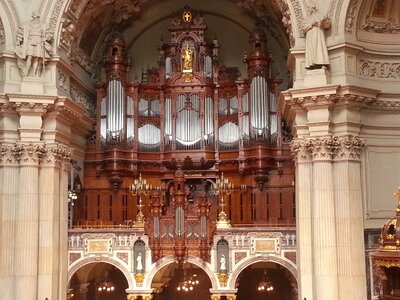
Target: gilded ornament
x=223 y=278
x=139 y=279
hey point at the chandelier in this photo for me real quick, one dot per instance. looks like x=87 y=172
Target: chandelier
x=188 y=284
x=223 y=186
x=265 y=285
x=106 y=286
x=137 y=188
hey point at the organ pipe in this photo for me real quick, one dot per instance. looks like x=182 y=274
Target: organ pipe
x=259 y=104
x=115 y=108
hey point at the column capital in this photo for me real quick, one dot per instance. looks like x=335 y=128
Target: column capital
x=57 y=155
x=7 y=156
x=349 y=148
x=316 y=149
x=28 y=153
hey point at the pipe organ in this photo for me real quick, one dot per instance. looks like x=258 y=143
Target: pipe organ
x=193 y=116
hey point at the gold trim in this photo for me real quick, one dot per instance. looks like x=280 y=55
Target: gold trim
x=139 y=279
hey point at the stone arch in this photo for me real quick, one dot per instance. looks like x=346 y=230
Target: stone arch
x=205 y=266
x=248 y=262
x=10 y=20
x=85 y=261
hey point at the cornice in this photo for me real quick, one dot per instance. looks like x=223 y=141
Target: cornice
x=334 y=96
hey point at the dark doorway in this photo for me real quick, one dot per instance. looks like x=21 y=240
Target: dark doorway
x=169 y=283
x=266 y=281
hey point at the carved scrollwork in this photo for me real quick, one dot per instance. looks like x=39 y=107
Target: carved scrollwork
x=58 y=154
x=377 y=69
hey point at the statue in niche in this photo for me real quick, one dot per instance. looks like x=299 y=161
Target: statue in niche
x=139 y=263
x=222 y=263
x=187 y=59
x=34 y=47
x=314 y=28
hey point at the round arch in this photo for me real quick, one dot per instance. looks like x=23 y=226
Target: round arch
x=83 y=262
x=155 y=267
x=248 y=262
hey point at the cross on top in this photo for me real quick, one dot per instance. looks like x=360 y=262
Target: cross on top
x=187 y=16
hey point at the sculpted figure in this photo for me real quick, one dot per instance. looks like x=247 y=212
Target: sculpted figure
x=222 y=262
x=34 y=47
x=314 y=27
x=187 y=59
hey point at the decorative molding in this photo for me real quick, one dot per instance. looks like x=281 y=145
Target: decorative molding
x=63 y=82
x=381 y=27
x=299 y=15
x=56 y=10
x=378 y=69
x=79 y=57
x=82 y=99
x=68 y=35
x=2 y=34
x=351 y=16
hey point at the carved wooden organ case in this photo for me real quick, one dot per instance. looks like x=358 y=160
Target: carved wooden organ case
x=184 y=123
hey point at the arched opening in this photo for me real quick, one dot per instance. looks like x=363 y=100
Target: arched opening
x=266 y=280
x=179 y=283
x=97 y=281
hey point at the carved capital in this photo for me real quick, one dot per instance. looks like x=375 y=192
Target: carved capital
x=28 y=153
x=57 y=155
x=319 y=148
x=299 y=149
x=350 y=148
x=6 y=155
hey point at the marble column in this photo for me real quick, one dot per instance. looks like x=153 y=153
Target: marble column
x=51 y=202
x=304 y=261
x=8 y=195
x=27 y=221
x=323 y=219
x=349 y=219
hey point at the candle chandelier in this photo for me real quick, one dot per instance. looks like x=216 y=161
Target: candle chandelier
x=265 y=285
x=188 y=283
x=223 y=186
x=138 y=188
x=106 y=286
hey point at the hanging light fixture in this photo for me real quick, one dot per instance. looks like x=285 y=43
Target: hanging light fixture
x=106 y=286
x=188 y=283
x=265 y=285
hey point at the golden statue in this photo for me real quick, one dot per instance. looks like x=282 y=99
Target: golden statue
x=187 y=59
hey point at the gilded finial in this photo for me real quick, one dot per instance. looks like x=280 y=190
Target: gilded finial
x=397 y=194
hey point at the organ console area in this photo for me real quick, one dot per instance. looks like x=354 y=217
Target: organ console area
x=181 y=125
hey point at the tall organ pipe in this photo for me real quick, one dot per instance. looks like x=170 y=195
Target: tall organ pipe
x=259 y=104
x=115 y=107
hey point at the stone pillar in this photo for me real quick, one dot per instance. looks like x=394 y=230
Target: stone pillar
x=27 y=221
x=303 y=218
x=51 y=229
x=323 y=220
x=349 y=219
x=8 y=195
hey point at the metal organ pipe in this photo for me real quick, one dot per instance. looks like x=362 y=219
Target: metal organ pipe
x=115 y=108
x=259 y=104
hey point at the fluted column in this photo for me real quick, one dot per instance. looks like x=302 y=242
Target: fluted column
x=27 y=221
x=303 y=218
x=51 y=222
x=323 y=219
x=349 y=219
x=8 y=195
